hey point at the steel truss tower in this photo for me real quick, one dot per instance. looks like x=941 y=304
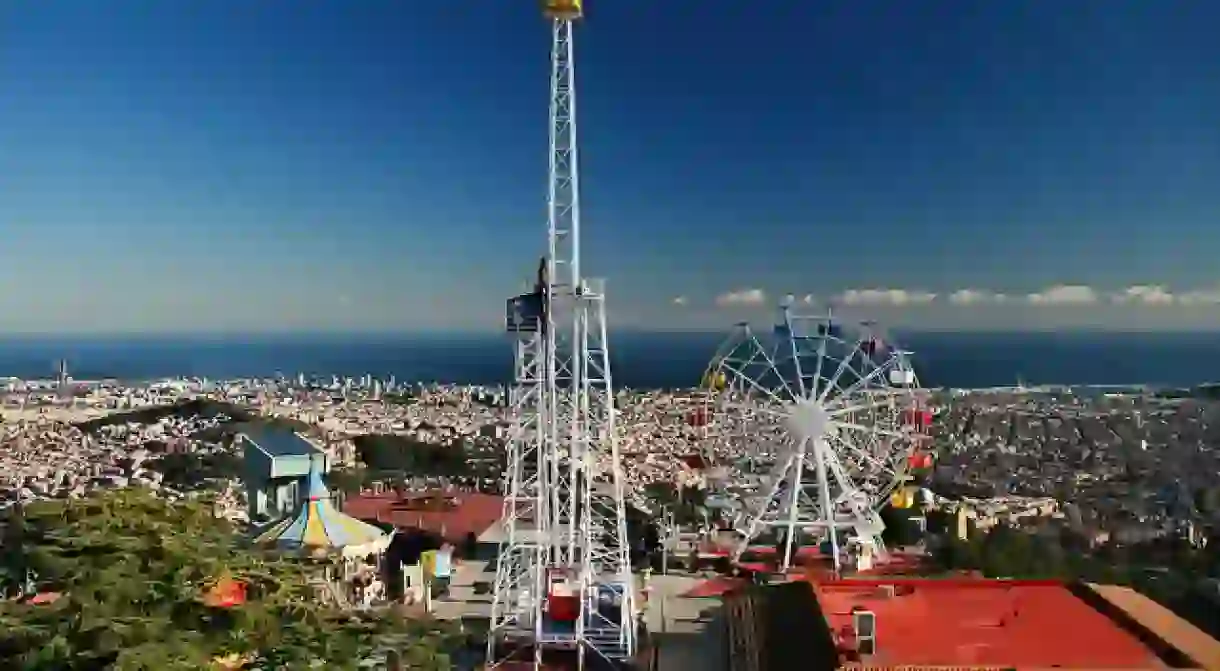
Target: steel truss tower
x=563 y=574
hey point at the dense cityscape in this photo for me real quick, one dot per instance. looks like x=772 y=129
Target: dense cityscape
x=1113 y=469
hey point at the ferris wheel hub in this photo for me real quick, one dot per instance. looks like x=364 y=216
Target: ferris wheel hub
x=807 y=419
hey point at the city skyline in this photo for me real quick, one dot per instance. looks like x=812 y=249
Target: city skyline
x=381 y=166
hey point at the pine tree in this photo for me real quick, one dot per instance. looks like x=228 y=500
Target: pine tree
x=132 y=571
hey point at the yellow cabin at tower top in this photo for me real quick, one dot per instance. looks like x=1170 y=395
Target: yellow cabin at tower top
x=563 y=9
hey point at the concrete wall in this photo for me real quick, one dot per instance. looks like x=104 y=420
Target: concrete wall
x=276 y=486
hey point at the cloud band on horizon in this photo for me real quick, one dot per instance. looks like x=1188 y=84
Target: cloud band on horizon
x=1060 y=295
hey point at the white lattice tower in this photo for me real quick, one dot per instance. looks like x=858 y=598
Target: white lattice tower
x=564 y=512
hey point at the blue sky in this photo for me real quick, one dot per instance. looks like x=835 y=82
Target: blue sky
x=280 y=165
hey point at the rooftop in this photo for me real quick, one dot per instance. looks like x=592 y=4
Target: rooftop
x=1163 y=624
x=277 y=441
x=450 y=514
x=983 y=622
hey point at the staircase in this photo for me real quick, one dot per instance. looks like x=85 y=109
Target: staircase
x=606 y=641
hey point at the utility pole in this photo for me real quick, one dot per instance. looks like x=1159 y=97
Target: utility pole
x=665 y=533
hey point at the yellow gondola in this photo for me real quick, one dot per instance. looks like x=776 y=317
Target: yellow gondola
x=903 y=497
x=715 y=380
x=567 y=10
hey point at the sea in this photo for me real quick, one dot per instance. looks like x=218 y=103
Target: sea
x=639 y=360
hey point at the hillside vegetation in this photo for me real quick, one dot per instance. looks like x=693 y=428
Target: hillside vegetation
x=130 y=571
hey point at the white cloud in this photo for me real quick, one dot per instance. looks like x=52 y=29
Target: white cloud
x=742 y=297
x=1200 y=297
x=976 y=297
x=793 y=299
x=1057 y=295
x=1065 y=294
x=679 y=300
x=886 y=297
x=1144 y=295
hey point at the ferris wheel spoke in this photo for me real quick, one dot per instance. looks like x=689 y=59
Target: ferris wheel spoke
x=815 y=390
x=725 y=349
x=865 y=380
x=763 y=504
x=783 y=381
x=870 y=430
x=770 y=395
x=874 y=401
x=743 y=363
x=844 y=365
x=849 y=492
x=759 y=410
x=857 y=451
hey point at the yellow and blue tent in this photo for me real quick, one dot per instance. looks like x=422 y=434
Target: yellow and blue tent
x=319 y=526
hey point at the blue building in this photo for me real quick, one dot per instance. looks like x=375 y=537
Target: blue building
x=277 y=464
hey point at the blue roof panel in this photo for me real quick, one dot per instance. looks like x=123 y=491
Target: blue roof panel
x=278 y=442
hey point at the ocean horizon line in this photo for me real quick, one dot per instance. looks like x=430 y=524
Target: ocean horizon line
x=640 y=359
x=310 y=335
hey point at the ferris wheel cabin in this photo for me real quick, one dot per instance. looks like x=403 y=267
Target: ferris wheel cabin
x=563 y=10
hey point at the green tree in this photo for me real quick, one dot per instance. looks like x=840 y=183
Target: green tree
x=131 y=570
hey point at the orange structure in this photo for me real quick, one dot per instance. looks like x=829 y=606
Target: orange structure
x=225 y=593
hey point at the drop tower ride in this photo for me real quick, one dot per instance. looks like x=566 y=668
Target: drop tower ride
x=563 y=573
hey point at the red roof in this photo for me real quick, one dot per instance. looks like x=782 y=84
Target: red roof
x=982 y=623
x=450 y=514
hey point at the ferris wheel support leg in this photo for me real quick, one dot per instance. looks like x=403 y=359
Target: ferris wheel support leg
x=819 y=451
x=794 y=506
x=755 y=522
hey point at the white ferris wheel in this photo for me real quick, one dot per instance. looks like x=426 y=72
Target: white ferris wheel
x=811 y=428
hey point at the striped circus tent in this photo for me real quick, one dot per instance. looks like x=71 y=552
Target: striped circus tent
x=318 y=526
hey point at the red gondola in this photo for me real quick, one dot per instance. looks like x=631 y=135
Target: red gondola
x=919 y=461
x=697 y=418
x=870 y=346
x=918 y=418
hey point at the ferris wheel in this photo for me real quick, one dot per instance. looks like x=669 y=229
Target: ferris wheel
x=812 y=427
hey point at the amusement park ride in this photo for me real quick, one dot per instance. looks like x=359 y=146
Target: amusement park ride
x=563 y=573
x=816 y=427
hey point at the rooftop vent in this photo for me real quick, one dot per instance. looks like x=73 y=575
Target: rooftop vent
x=865 y=624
